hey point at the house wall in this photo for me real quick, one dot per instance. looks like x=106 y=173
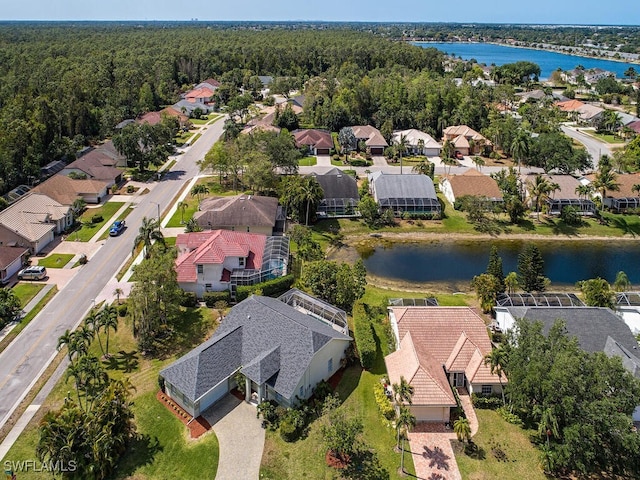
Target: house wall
x=496 y=389
x=430 y=414
x=177 y=396
x=432 y=152
x=317 y=370
x=94 y=197
x=631 y=316
x=262 y=230
x=8 y=237
x=504 y=319
x=12 y=269
x=211 y=275
x=447 y=190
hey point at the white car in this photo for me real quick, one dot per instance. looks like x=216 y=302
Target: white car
x=32 y=273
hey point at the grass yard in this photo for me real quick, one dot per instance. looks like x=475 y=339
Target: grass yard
x=88 y=229
x=26 y=291
x=196 y=137
x=307 y=162
x=305 y=458
x=216 y=189
x=56 y=260
x=162 y=449
x=374 y=295
x=605 y=137
x=122 y=216
x=181 y=139
x=523 y=460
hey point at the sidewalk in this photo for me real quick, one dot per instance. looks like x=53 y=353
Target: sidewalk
x=27 y=308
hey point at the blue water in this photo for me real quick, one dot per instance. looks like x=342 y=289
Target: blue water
x=566 y=262
x=548 y=61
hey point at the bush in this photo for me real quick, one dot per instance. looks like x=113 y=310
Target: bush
x=364 y=336
x=97 y=219
x=384 y=404
x=288 y=431
x=509 y=416
x=322 y=390
x=122 y=310
x=571 y=216
x=269 y=288
x=189 y=299
x=489 y=403
x=210 y=298
x=130 y=189
x=358 y=162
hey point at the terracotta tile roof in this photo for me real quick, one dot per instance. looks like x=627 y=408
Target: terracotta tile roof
x=474 y=183
x=214 y=247
x=570 y=105
x=464 y=131
x=202 y=92
x=152 y=118
x=66 y=190
x=313 y=137
x=635 y=126
x=626 y=182
x=478 y=372
x=422 y=371
x=371 y=135
x=461 y=354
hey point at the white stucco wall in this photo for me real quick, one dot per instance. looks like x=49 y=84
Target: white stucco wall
x=477 y=388
x=504 y=319
x=447 y=190
x=631 y=316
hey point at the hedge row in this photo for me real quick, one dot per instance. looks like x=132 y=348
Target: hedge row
x=490 y=403
x=210 y=298
x=268 y=288
x=364 y=337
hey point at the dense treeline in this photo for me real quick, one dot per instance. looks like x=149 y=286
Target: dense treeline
x=62 y=86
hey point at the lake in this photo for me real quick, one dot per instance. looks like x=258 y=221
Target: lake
x=448 y=261
x=548 y=61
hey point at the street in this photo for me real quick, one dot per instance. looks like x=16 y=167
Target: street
x=595 y=147
x=22 y=362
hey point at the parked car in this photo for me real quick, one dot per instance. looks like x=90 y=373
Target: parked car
x=117 y=228
x=32 y=273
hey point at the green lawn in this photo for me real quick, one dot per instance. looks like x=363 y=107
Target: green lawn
x=56 y=260
x=605 y=137
x=307 y=162
x=122 y=216
x=216 y=189
x=374 y=295
x=28 y=317
x=305 y=458
x=337 y=163
x=26 y=291
x=88 y=229
x=162 y=449
x=180 y=139
x=522 y=458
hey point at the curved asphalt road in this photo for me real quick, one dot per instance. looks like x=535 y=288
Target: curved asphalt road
x=595 y=147
x=22 y=362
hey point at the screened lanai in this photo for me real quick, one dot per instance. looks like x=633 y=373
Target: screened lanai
x=275 y=259
x=624 y=204
x=538 y=300
x=584 y=207
x=317 y=308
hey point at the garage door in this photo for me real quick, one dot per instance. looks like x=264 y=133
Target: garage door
x=213 y=395
x=431 y=414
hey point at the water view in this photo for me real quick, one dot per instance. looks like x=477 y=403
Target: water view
x=459 y=261
x=548 y=61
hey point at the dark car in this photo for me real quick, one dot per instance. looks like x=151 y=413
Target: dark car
x=116 y=228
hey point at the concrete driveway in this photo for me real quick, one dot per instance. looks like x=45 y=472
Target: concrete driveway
x=432 y=454
x=241 y=438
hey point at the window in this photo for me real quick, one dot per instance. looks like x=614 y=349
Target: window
x=330 y=365
x=487 y=390
x=241 y=261
x=200 y=268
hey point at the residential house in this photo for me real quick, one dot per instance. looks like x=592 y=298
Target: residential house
x=106 y=153
x=466 y=140
x=440 y=348
x=372 y=138
x=210 y=83
x=33 y=221
x=219 y=260
x=628 y=307
x=281 y=351
x=566 y=195
x=92 y=165
x=635 y=126
x=413 y=193
x=199 y=96
x=580 y=112
x=471 y=183
x=266 y=118
x=52 y=168
x=242 y=213
x=187 y=108
x=266 y=80
x=66 y=190
x=531 y=96
x=597 y=329
x=154 y=118
x=625 y=197
x=418 y=143
x=11 y=261
x=340 y=193
x=318 y=142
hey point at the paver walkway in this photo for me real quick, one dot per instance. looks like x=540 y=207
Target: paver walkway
x=241 y=438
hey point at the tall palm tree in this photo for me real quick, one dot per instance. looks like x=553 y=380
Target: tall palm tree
x=65 y=340
x=449 y=162
x=478 y=162
x=584 y=191
x=198 y=190
x=424 y=167
x=520 y=147
x=495 y=359
x=420 y=146
x=406 y=421
x=401 y=145
x=182 y=206
x=95 y=322
x=540 y=189
x=605 y=181
x=309 y=190
x=148 y=233
x=402 y=391
x=462 y=429
x=117 y=292
x=109 y=322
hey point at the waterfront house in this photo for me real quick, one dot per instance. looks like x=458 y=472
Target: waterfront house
x=471 y=183
x=242 y=213
x=412 y=193
x=281 y=348
x=440 y=348
x=564 y=196
x=340 y=193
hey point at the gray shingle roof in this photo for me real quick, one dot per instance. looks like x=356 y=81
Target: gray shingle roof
x=337 y=184
x=252 y=210
x=403 y=186
x=590 y=325
x=630 y=361
x=271 y=339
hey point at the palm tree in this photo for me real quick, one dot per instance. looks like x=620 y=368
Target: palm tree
x=604 y=181
x=636 y=188
x=192 y=226
x=405 y=421
x=462 y=429
x=65 y=340
x=511 y=282
x=402 y=391
x=109 y=321
x=401 y=145
x=548 y=424
x=495 y=360
x=148 y=233
x=199 y=189
x=449 y=162
x=622 y=283
x=447 y=149
x=421 y=146
x=182 y=206
x=95 y=322
x=478 y=162
x=309 y=190
x=584 y=191
x=520 y=147
x=117 y=292
x=424 y=167
x=540 y=189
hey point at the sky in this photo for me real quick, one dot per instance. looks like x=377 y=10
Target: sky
x=580 y=12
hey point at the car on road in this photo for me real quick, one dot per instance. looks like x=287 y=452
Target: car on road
x=32 y=273
x=117 y=228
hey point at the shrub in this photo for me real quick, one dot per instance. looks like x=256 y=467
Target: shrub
x=269 y=288
x=490 y=403
x=97 y=219
x=364 y=336
x=288 y=431
x=384 y=404
x=509 y=416
x=322 y=390
x=130 y=189
x=571 y=216
x=122 y=310
x=358 y=162
x=210 y=298
x=189 y=299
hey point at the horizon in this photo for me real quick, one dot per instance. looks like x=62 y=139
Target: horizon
x=545 y=12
